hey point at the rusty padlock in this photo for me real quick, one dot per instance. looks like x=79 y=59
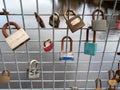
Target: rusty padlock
x=54 y=20
x=64 y=55
x=3 y=78
x=39 y=20
x=48 y=47
x=99 y=25
x=118 y=22
x=74 y=23
x=96 y=84
x=16 y=39
x=112 y=81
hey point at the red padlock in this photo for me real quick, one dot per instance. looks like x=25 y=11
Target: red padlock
x=48 y=47
x=118 y=22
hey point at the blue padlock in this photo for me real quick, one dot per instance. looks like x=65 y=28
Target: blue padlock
x=90 y=48
x=66 y=56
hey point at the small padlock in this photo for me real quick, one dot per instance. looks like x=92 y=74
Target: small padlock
x=39 y=20
x=90 y=48
x=96 y=84
x=33 y=72
x=66 y=56
x=118 y=22
x=3 y=78
x=48 y=47
x=16 y=39
x=56 y=19
x=99 y=25
x=112 y=81
x=74 y=23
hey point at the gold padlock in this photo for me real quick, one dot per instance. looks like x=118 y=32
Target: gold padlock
x=5 y=79
x=74 y=23
x=96 y=83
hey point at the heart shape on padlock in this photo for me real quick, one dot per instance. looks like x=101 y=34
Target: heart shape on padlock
x=112 y=82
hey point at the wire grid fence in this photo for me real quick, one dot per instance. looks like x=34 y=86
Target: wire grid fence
x=55 y=74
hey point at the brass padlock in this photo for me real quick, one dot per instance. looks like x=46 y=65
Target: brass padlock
x=39 y=20
x=5 y=79
x=99 y=25
x=112 y=81
x=96 y=84
x=74 y=23
x=33 y=72
x=15 y=39
x=54 y=20
x=64 y=55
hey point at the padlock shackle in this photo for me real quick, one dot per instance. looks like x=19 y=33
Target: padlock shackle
x=32 y=62
x=119 y=65
x=87 y=35
x=109 y=74
x=39 y=20
x=98 y=10
x=67 y=13
x=96 y=82
x=48 y=40
x=5 y=27
x=3 y=72
x=55 y=14
x=62 y=44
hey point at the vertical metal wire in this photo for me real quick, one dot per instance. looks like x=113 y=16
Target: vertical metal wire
x=40 y=50
x=27 y=50
x=77 y=64
x=3 y=62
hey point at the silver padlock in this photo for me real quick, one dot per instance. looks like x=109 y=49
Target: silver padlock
x=33 y=72
x=16 y=39
x=99 y=25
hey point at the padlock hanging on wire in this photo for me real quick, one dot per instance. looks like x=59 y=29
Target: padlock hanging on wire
x=99 y=25
x=75 y=23
x=64 y=55
x=98 y=80
x=15 y=39
x=3 y=78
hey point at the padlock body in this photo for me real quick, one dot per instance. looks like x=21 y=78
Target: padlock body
x=99 y=25
x=49 y=47
x=4 y=79
x=33 y=73
x=66 y=56
x=98 y=89
x=75 y=23
x=118 y=24
x=90 y=48
x=112 y=82
x=16 y=39
x=56 y=22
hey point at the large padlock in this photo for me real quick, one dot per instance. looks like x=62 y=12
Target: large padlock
x=33 y=72
x=3 y=78
x=74 y=23
x=96 y=84
x=112 y=81
x=39 y=20
x=48 y=47
x=16 y=39
x=99 y=25
x=64 y=55
x=54 y=20
x=118 y=22
x=90 y=48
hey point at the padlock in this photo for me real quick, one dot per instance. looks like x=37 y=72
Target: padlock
x=118 y=22
x=99 y=25
x=48 y=47
x=112 y=81
x=3 y=78
x=74 y=23
x=33 y=72
x=39 y=20
x=16 y=39
x=54 y=20
x=96 y=84
x=90 y=48
x=66 y=56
